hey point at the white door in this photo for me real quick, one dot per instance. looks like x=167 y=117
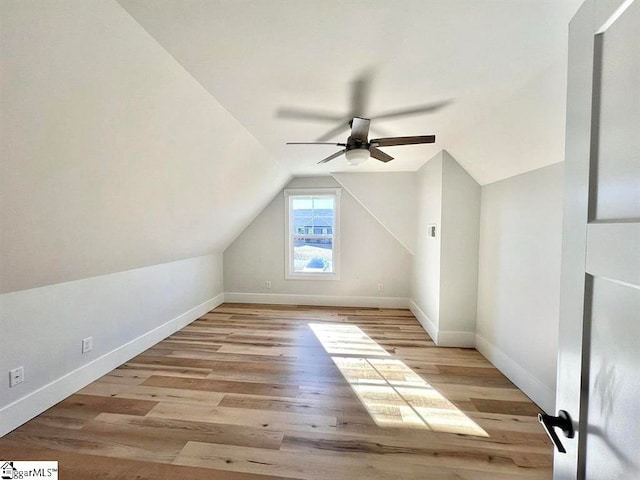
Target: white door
x=599 y=343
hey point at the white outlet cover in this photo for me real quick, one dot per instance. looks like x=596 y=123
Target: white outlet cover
x=16 y=376
x=87 y=344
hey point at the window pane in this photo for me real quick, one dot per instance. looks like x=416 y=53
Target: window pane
x=312 y=255
x=323 y=202
x=313 y=215
x=302 y=203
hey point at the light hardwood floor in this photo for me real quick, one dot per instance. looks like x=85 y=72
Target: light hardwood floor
x=265 y=391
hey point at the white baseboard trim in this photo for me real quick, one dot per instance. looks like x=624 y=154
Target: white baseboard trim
x=439 y=337
x=320 y=300
x=456 y=339
x=543 y=395
x=36 y=402
x=424 y=320
x=196 y=312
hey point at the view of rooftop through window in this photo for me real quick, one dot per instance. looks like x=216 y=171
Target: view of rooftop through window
x=313 y=225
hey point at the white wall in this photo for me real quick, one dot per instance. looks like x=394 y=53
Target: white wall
x=125 y=313
x=425 y=285
x=445 y=268
x=113 y=156
x=519 y=279
x=370 y=254
x=460 y=234
x=390 y=197
x=120 y=178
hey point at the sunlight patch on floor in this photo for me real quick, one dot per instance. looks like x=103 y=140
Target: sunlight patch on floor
x=393 y=394
x=338 y=338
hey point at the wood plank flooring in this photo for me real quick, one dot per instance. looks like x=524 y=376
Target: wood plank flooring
x=257 y=392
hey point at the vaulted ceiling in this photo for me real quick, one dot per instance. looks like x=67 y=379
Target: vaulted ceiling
x=501 y=62
x=112 y=157
x=145 y=131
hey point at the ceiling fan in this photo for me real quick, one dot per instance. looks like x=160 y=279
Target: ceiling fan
x=360 y=88
x=359 y=148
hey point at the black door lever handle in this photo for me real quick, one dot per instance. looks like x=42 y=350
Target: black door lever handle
x=563 y=420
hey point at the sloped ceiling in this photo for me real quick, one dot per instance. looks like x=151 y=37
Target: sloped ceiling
x=502 y=62
x=144 y=131
x=113 y=156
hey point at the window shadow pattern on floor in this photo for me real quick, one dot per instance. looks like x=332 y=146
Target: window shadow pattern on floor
x=393 y=394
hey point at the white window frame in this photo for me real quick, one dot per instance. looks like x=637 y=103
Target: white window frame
x=289 y=233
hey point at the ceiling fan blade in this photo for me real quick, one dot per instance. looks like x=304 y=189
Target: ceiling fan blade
x=380 y=155
x=303 y=114
x=360 y=89
x=331 y=157
x=318 y=143
x=430 y=108
x=393 y=141
x=342 y=127
x=360 y=128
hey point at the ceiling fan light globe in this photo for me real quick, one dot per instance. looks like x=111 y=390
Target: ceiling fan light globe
x=357 y=155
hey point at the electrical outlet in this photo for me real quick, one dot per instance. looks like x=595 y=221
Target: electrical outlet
x=380 y=287
x=87 y=344
x=16 y=376
x=267 y=284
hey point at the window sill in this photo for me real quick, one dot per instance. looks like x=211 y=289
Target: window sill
x=312 y=276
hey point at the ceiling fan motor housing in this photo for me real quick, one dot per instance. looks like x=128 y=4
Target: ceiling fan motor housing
x=356 y=143
x=358 y=147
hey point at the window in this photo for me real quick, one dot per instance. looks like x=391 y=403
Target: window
x=312 y=240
